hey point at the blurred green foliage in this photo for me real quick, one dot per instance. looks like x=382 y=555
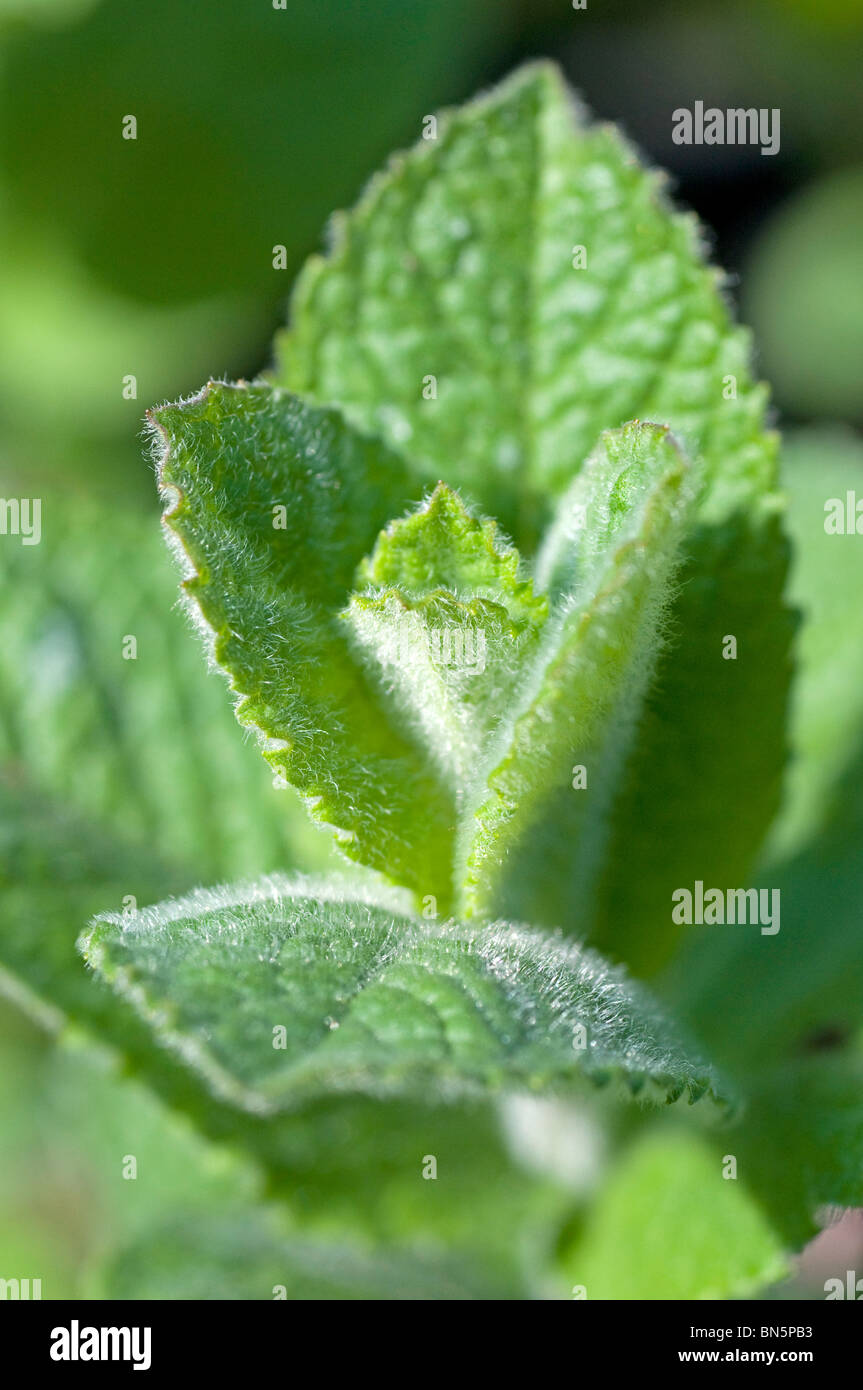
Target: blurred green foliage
x=803 y=295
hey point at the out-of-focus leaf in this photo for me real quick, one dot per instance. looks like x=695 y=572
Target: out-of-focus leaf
x=826 y=585
x=140 y=747
x=807 y=307
x=801 y=1148
x=668 y=1225
x=289 y=129
x=253 y=1259
x=78 y=363
x=754 y=997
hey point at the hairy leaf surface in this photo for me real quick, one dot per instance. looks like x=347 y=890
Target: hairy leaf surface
x=274 y=996
x=499 y=296
x=275 y=504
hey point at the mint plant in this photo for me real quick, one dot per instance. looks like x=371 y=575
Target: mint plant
x=470 y=559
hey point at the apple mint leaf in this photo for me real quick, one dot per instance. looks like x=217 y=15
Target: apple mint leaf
x=444 y=546
x=441 y=706
x=278 y=995
x=536 y=844
x=274 y=503
x=97 y=672
x=668 y=1225
x=501 y=295
x=452 y=631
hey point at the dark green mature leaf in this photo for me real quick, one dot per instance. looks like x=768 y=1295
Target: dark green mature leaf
x=801 y=1149
x=705 y=778
x=754 y=998
x=273 y=996
x=819 y=469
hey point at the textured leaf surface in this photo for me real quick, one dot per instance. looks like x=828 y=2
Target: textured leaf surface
x=120 y=779
x=373 y=1003
x=270 y=585
x=609 y=560
x=669 y=1226
x=459 y=263
x=449 y=626
x=442 y=705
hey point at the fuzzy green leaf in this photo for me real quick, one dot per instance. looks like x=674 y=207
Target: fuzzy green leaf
x=274 y=504
x=537 y=843
x=526 y=261
x=439 y=707
x=280 y=994
x=454 y=640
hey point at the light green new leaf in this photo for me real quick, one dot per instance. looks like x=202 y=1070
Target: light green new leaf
x=441 y=699
x=443 y=545
x=670 y=1226
x=274 y=504
x=501 y=295
x=537 y=844
x=454 y=642
x=279 y=994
